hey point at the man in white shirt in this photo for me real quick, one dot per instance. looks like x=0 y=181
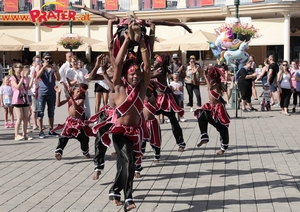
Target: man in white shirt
x=64 y=68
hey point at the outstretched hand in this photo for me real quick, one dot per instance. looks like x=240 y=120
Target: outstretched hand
x=101 y=61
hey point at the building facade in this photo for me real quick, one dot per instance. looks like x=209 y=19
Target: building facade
x=277 y=20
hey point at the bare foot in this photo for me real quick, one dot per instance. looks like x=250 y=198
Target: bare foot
x=114 y=154
x=220 y=152
x=116 y=202
x=130 y=207
x=96 y=175
x=58 y=156
x=155 y=161
x=180 y=149
x=137 y=175
x=87 y=156
x=202 y=142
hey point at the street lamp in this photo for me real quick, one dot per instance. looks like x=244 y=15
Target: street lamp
x=236 y=4
x=70 y=22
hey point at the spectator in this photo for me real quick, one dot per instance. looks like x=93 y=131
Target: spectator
x=293 y=70
x=177 y=88
x=64 y=68
x=192 y=80
x=20 y=86
x=297 y=90
x=6 y=94
x=75 y=76
x=34 y=89
x=177 y=68
x=101 y=91
x=47 y=74
x=285 y=89
x=253 y=67
x=245 y=85
x=264 y=73
x=272 y=78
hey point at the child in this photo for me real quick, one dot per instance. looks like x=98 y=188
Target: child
x=74 y=126
x=177 y=88
x=266 y=94
x=6 y=94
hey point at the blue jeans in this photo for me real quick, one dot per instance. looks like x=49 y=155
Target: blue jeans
x=42 y=101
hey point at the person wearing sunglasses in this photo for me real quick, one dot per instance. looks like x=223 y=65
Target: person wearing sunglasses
x=47 y=74
x=285 y=88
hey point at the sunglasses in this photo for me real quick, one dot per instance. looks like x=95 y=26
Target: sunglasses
x=47 y=58
x=18 y=66
x=284 y=65
x=75 y=62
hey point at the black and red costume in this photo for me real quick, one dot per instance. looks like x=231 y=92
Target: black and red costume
x=154 y=132
x=216 y=115
x=74 y=128
x=127 y=142
x=102 y=141
x=167 y=105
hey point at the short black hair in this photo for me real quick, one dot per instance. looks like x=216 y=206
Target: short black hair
x=46 y=54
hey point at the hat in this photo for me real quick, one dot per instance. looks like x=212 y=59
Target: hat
x=175 y=56
x=266 y=85
x=192 y=57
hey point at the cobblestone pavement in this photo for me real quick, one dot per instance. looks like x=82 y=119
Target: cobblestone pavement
x=259 y=172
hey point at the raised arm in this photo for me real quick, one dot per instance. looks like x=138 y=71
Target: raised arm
x=120 y=57
x=58 y=102
x=146 y=63
x=151 y=36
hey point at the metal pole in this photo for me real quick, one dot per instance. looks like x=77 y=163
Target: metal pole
x=236 y=3
x=70 y=21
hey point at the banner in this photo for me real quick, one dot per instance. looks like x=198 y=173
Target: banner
x=159 y=4
x=192 y=3
x=64 y=4
x=206 y=2
x=11 y=6
x=111 y=5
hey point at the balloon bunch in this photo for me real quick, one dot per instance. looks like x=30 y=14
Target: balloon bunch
x=227 y=48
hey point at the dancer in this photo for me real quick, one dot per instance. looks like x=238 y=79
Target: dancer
x=165 y=101
x=214 y=111
x=152 y=123
x=74 y=127
x=130 y=89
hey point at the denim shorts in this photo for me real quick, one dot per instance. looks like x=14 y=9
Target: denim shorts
x=41 y=103
x=273 y=88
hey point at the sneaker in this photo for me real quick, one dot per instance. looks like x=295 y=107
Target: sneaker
x=19 y=138
x=26 y=137
x=192 y=110
x=253 y=109
x=42 y=135
x=6 y=125
x=11 y=125
x=53 y=134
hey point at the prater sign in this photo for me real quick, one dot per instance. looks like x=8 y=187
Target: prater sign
x=60 y=16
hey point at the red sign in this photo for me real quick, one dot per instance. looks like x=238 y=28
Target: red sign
x=111 y=5
x=258 y=0
x=192 y=3
x=63 y=4
x=159 y=4
x=206 y=2
x=11 y=6
x=147 y=4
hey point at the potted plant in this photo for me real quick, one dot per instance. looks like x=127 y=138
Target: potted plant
x=245 y=31
x=71 y=42
x=239 y=30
